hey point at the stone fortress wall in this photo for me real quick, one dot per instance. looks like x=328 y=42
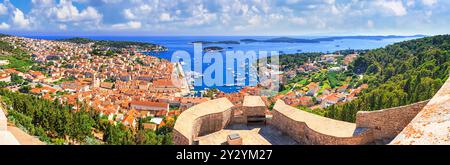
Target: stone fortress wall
x=202 y=119
x=307 y=128
x=388 y=123
x=3 y=121
x=6 y=137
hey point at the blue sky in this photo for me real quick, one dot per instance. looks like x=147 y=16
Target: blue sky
x=224 y=17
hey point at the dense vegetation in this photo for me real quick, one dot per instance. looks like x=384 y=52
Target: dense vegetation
x=110 y=48
x=57 y=123
x=18 y=59
x=4 y=35
x=108 y=43
x=397 y=75
x=293 y=61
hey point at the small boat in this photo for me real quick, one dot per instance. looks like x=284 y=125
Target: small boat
x=229 y=85
x=240 y=84
x=241 y=79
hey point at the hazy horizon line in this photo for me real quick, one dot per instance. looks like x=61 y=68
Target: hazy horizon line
x=193 y=35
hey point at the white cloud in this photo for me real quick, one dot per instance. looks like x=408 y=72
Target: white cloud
x=293 y=1
x=410 y=3
x=111 y=1
x=65 y=11
x=429 y=2
x=19 y=19
x=200 y=16
x=62 y=26
x=370 y=24
x=43 y=3
x=246 y=16
x=255 y=20
x=4 y=26
x=428 y=13
x=394 y=6
x=128 y=25
x=334 y=10
x=129 y=14
x=330 y=1
x=165 y=17
x=3 y=9
x=298 y=20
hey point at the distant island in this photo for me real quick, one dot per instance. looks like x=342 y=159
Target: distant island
x=116 y=44
x=325 y=39
x=303 y=40
x=216 y=42
x=213 y=49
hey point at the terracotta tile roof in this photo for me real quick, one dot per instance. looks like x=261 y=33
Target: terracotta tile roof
x=149 y=103
x=43 y=89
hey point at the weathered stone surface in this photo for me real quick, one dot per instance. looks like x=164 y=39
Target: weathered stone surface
x=6 y=138
x=307 y=128
x=251 y=135
x=202 y=119
x=254 y=106
x=3 y=121
x=432 y=124
x=388 y=123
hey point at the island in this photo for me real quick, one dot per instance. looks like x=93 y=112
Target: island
x=144 y=46
x=213 y=49
x=327 y=39
x=216 y=42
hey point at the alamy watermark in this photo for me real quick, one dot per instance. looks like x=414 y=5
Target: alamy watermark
x=231 y=68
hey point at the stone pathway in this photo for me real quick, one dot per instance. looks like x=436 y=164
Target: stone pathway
x=251 y=135
x=24 y=138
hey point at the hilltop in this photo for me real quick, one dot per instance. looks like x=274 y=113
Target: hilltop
x=116 y=44
x=340 y=84
x=16 y=57
x=399 y=74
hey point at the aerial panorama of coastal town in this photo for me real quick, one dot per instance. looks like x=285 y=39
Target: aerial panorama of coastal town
x=224 y=73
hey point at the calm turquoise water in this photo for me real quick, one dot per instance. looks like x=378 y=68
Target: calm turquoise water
x=183 y=43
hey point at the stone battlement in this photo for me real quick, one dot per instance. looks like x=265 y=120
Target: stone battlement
x=426 y=122
x=308 y=128
x=388 y=123
x=202 y=119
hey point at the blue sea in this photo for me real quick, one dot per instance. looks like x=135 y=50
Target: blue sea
x=184 y=43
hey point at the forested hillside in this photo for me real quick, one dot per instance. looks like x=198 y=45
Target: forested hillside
x=56 y=123
x=399 y=74
x=18 y=59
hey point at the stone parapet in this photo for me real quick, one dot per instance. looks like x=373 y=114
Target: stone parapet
x=311 y=129
x=388 y=123
x=202 y=119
